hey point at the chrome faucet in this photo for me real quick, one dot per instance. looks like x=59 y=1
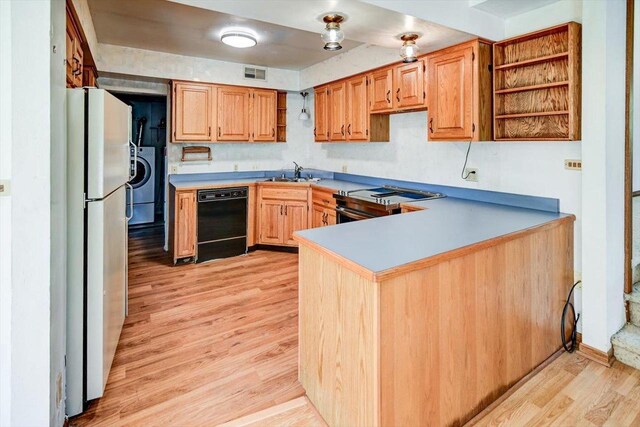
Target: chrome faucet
x=297 y=170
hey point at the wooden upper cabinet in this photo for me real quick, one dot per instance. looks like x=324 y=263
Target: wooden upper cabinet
x=185 y=224
x=357 y=109
x=233 y=113
x=321 y=112
x=74 y=53
x=264 y=105
x=337 y=107
x=193 y=112
x=451 y=94
x=381 y=90
x=409 y=86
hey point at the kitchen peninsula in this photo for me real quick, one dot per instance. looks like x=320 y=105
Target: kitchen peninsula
x=429 y=315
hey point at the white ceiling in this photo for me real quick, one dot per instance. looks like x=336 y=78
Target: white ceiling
x=175 y=28
x=288 y=30
x=508 y=8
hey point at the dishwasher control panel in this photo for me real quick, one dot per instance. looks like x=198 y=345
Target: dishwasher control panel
x=222 y=193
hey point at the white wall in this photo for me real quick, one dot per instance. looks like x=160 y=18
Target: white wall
x=32 y=135
x=603 y=126
x=58 y=200
x=147 y=63
x=5 y=215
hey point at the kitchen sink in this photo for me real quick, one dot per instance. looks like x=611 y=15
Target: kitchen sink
x=281 y=179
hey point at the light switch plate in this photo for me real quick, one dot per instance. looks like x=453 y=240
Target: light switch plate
x=5 y=187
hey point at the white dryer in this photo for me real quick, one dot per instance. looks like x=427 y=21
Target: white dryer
x=144 y=186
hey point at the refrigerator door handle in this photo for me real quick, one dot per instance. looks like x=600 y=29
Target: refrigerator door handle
x=135 y=160
x=130 y=201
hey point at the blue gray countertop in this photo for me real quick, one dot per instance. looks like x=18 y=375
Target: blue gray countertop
x=445 y=225
x=379 y=244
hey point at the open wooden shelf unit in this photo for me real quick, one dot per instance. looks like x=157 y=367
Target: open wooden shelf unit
x=536 y=85
x=281 y=119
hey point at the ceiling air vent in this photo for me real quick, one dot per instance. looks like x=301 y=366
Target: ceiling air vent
x=255 y=73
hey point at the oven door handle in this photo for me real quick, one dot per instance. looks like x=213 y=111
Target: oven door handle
x=353 y=214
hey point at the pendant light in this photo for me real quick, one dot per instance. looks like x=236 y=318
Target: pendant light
x=409 y=50
x=332 y=35
x=304 y=116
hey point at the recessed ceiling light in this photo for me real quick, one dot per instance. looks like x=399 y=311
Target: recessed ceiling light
x=238 y=39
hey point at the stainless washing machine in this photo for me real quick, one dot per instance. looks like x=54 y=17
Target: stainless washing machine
x=144 y=186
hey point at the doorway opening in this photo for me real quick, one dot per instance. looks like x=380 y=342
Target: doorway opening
x=149 y=135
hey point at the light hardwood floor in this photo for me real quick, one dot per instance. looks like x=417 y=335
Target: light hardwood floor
x=203 y=344
x=211 y=343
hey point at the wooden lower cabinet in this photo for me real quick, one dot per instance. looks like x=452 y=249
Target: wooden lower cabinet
x=295 y=218
x=283 y=211
x=323 y=210
x=271 y=222
x=184 y=236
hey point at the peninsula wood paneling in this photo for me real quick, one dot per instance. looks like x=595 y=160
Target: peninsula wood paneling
x=453 y=336
x=339 y=341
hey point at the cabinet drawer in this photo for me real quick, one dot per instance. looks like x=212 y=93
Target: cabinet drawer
x=284 y=193
x=323 y=198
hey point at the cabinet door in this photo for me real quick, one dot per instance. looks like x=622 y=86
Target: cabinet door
x=264 y=115
x=409 y=85
x=78 y=57
x=192 y=112
x=185 y=223
x=321 y=113
x=357 y=109
x=450 y=94
x=70 y=39
x=330 y=217
x=318 y=216
x=271 y=222
x=337 y=105
x=295 y=218
x=233 y=114
x=380 y=90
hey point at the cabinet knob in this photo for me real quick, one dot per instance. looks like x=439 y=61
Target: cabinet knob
x=273 y=132
x=349 y=129
x=431 y=125
x=389 y=96
x=342 y=130
x=398 y=94
x=219 y=131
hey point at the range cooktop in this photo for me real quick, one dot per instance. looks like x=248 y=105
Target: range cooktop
x=391 y=196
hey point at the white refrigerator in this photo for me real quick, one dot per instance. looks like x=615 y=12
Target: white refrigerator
x=98 y=171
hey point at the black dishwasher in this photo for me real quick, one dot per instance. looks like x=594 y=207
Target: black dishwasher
x=222 y=223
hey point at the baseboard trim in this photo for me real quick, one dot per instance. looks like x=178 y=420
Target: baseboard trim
x=596 y=355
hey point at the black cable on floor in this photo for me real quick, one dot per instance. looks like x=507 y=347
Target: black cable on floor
x=572 y=344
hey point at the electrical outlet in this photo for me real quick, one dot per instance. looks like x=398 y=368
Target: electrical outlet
x=235 y=167
x=344 y=168
x=5 y=187
x=471 y=174
x=572 y=164
x=174 y=169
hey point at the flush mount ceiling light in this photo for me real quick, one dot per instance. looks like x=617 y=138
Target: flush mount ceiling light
x=332 y=35
x=239 y=39
x=409 y=50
